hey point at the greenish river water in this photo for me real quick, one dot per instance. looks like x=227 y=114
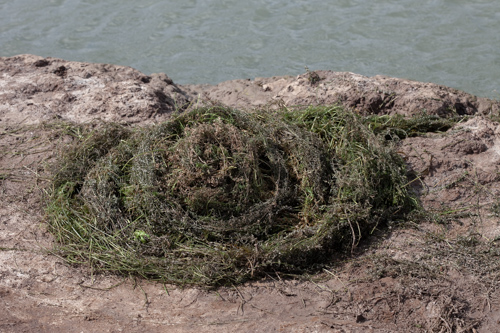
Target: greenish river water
x=450 y=42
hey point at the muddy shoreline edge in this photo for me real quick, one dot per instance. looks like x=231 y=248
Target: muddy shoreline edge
x=428 y=277
x=48 y=88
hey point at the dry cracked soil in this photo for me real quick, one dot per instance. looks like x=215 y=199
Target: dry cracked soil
x=438 y=275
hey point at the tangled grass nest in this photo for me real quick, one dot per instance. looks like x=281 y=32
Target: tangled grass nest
x=217 y=196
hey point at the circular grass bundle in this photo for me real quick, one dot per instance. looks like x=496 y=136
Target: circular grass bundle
x=216 y=195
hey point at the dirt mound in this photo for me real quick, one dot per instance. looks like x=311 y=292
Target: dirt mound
x=437 y=275
x=367 y=95
x=41 y=89
x=36 y=89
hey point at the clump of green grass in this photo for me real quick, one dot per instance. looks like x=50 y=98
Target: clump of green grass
x=401 y=127
x=218 y=196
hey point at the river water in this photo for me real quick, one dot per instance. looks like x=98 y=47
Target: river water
x=450 y=42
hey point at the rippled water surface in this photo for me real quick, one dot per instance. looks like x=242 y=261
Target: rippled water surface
x=451 y=42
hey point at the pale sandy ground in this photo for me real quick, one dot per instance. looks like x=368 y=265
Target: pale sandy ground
x=428 y=277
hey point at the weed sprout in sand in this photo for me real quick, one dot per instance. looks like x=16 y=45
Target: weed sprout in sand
x=218 y=196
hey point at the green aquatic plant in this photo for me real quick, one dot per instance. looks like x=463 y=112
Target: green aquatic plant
x=401 y=127
x=216 y=195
